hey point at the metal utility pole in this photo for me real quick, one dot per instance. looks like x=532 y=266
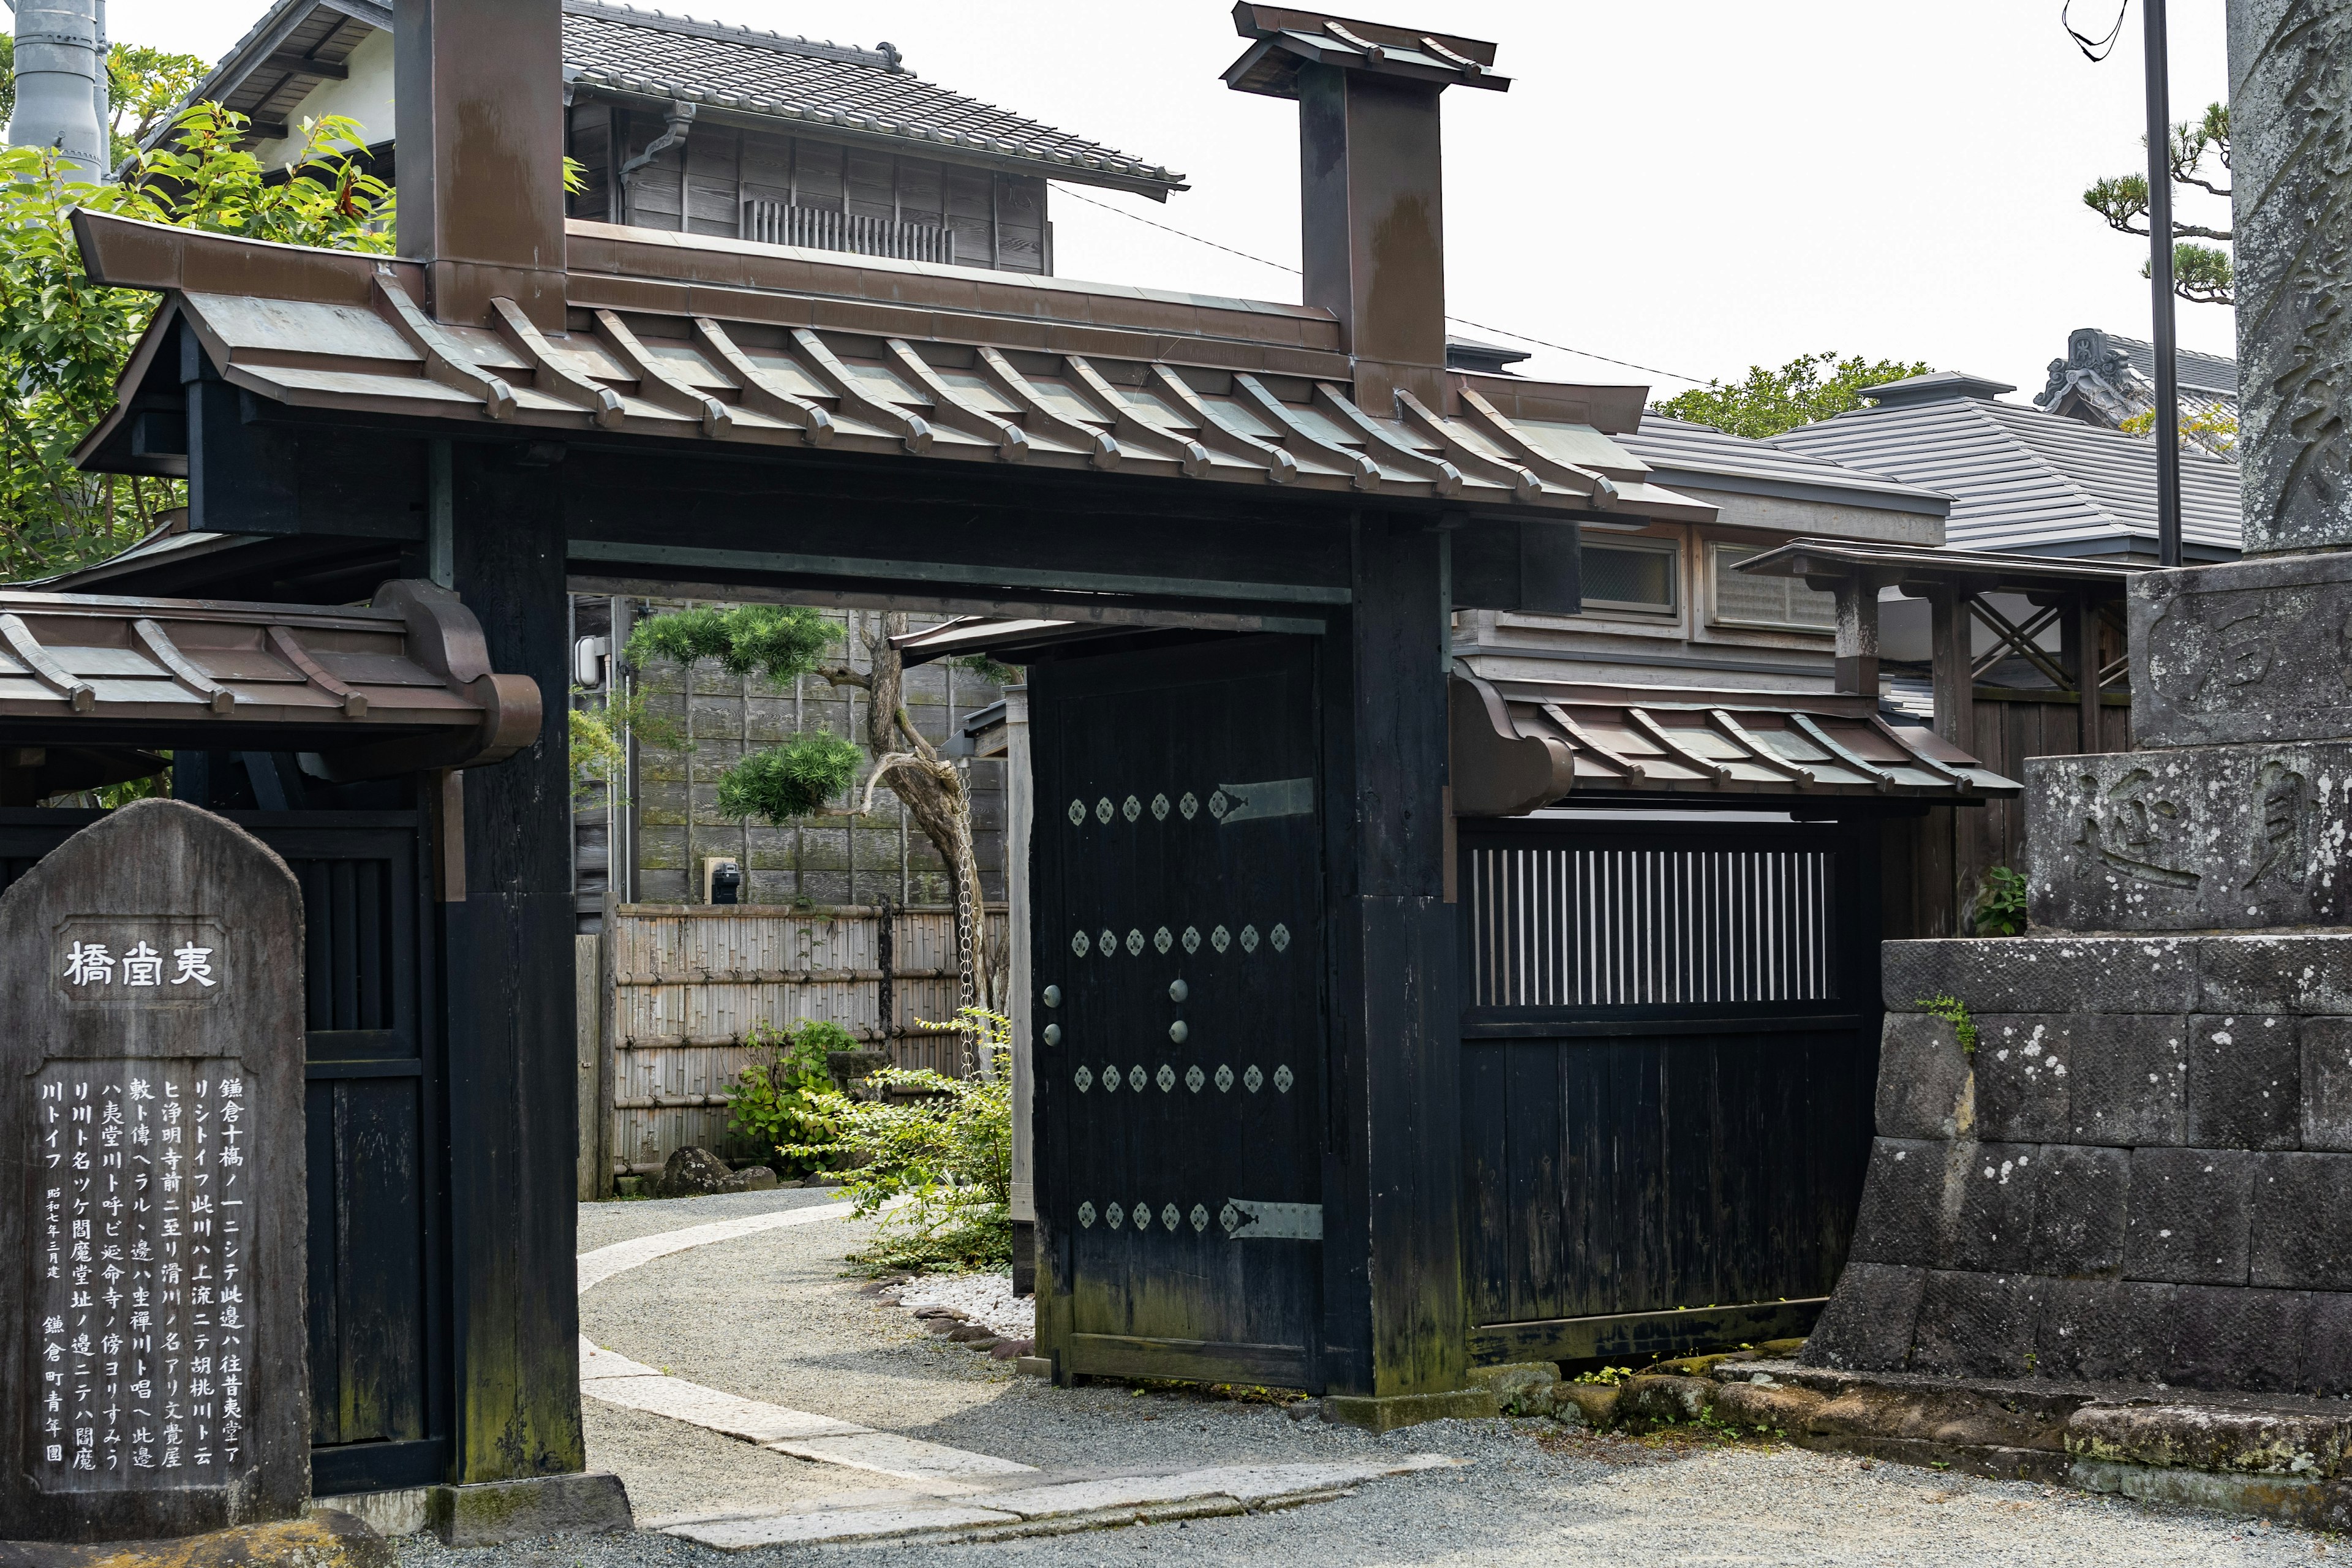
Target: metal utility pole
x=2159 y=272
x=61 y=84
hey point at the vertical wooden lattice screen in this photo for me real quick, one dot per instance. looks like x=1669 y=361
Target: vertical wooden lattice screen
x=1586 y=927
x=818 y=228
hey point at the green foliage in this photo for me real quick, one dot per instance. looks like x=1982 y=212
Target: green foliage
x=777 y=1101
x=142 y=84
x=1955 y=1012
x=794 y=779
x=2200 y=273
x=942 y=1164
x=1767 y=402
x=2213 y=430
x=987 y=669
x=63 y=339
x=2001 y=904
x=1607 y=1377
x=778 y=641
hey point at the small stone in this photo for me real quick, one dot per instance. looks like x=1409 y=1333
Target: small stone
x=1304 y=1409
x=1010 y=1350
x=968 y=1333
x=757 y=1179
x=1584 y=1404
x=693 y=1172
x=948 y=1312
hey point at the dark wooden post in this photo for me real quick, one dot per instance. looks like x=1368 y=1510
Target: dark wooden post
x=1392 y=1244
x=478 y=109
x=154 y=1348
x=1857 y=635
x=2079 y=635
x=1953 y=651
x=508 y=956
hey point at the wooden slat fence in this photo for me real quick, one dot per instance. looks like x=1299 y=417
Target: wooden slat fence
x=689 y=983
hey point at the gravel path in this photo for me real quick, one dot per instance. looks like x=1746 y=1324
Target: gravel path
x=769 y=1317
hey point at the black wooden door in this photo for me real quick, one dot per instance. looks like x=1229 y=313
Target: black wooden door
x=1177 y=929
x=379 y=1415
x=1669 y=1062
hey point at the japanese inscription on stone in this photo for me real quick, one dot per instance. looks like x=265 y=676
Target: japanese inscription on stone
x=156 y=1369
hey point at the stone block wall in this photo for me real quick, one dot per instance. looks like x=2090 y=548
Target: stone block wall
x=2142 y=1171
x=704 y=721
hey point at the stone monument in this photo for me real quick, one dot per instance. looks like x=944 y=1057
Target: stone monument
x=154 y=1362
x=2120 y=1148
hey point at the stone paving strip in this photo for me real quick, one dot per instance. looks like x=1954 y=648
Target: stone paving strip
x=1057 y=1508
x=947 y=1495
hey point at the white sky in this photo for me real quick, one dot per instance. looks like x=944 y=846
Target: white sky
x=1695 y=187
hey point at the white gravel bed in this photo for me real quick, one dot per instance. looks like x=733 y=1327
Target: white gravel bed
x=984 y=1298
x=772 y=1317
x=625 y=1219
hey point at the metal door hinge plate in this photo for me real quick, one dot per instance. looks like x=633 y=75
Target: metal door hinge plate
x=1251 y=1219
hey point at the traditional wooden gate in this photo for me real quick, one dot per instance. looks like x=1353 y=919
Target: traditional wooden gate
x=1670 y=1044
x=380 y=1414
x=1180 y=1058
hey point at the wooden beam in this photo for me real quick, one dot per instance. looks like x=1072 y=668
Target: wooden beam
x=292 y=64
x=1640 y=1336
x=1857 y=635
x=1951 y=648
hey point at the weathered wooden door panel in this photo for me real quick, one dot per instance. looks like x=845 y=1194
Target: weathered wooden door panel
x=1669 y=1064
x=378 y=1416
x=1177 y=916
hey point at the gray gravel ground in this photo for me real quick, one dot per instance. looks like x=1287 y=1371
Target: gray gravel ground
x=769 y=1317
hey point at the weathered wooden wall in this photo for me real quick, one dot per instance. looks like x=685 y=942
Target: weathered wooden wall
x=689 y=983
x=998 y=220
x=1936 y=864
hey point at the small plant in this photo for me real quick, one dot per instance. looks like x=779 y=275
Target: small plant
x=2001 y=903
x=1955 y=1012
x=1607 y=1377
x=794 y=779
x=779 y=1103
x=948 y=1153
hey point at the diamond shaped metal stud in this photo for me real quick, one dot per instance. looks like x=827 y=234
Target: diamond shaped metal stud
x=1135 y=944
x=1137 y=1078
x=1086 y=1216
x=1143 y=1218
x=1132 y=809
x=1188 y=806
x=1218 y=804
x=1106 y=941
x=1167 y=1079
x=1161 y=940
x=1080 y=943
x=1230 y=1217
x=1249 y=939
x=1159 y=808
x=1192 y=939
x=1103 y=810
x=1077 y=812
x=1280 y=937
x=1224 y=1077
x=1169 y=1217
x=1194 y=1077
x=1253 y=1078
x=1084 y=1079
x=1200 y=1217
x=1116 y=1214
x=1220 y=940
x=1111 y=1079
x=1283 y=1080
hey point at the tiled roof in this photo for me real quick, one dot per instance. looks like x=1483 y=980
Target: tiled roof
x=825 y=85
x=1702 y=457
x=2024 y=480
x=839 y=90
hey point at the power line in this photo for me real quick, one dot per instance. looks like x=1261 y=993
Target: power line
x=2094 y=49
x=1465 y=321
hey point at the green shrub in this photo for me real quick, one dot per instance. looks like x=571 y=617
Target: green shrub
x=791 y=779
x=2001 y=904
x=947 y=1152
x=1955 y=1012
x=778 y=641
x=778 y=1103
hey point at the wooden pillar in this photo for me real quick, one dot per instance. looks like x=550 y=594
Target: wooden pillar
x=1019 y=1003
x=508 y=956
x=1953 y=648
x=1857 y=635
x=1393 y=1288
x=2079 y=637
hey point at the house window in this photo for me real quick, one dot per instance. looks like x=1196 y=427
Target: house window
x=1627 y=577
x=1745 y=600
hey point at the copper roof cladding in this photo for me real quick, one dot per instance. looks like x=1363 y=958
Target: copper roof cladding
x=392 y=688
x=1522 y=745
x=1286 y=37
x=696 y=340
x=836 y=90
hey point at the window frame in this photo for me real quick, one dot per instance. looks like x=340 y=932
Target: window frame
x=1672 y=548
